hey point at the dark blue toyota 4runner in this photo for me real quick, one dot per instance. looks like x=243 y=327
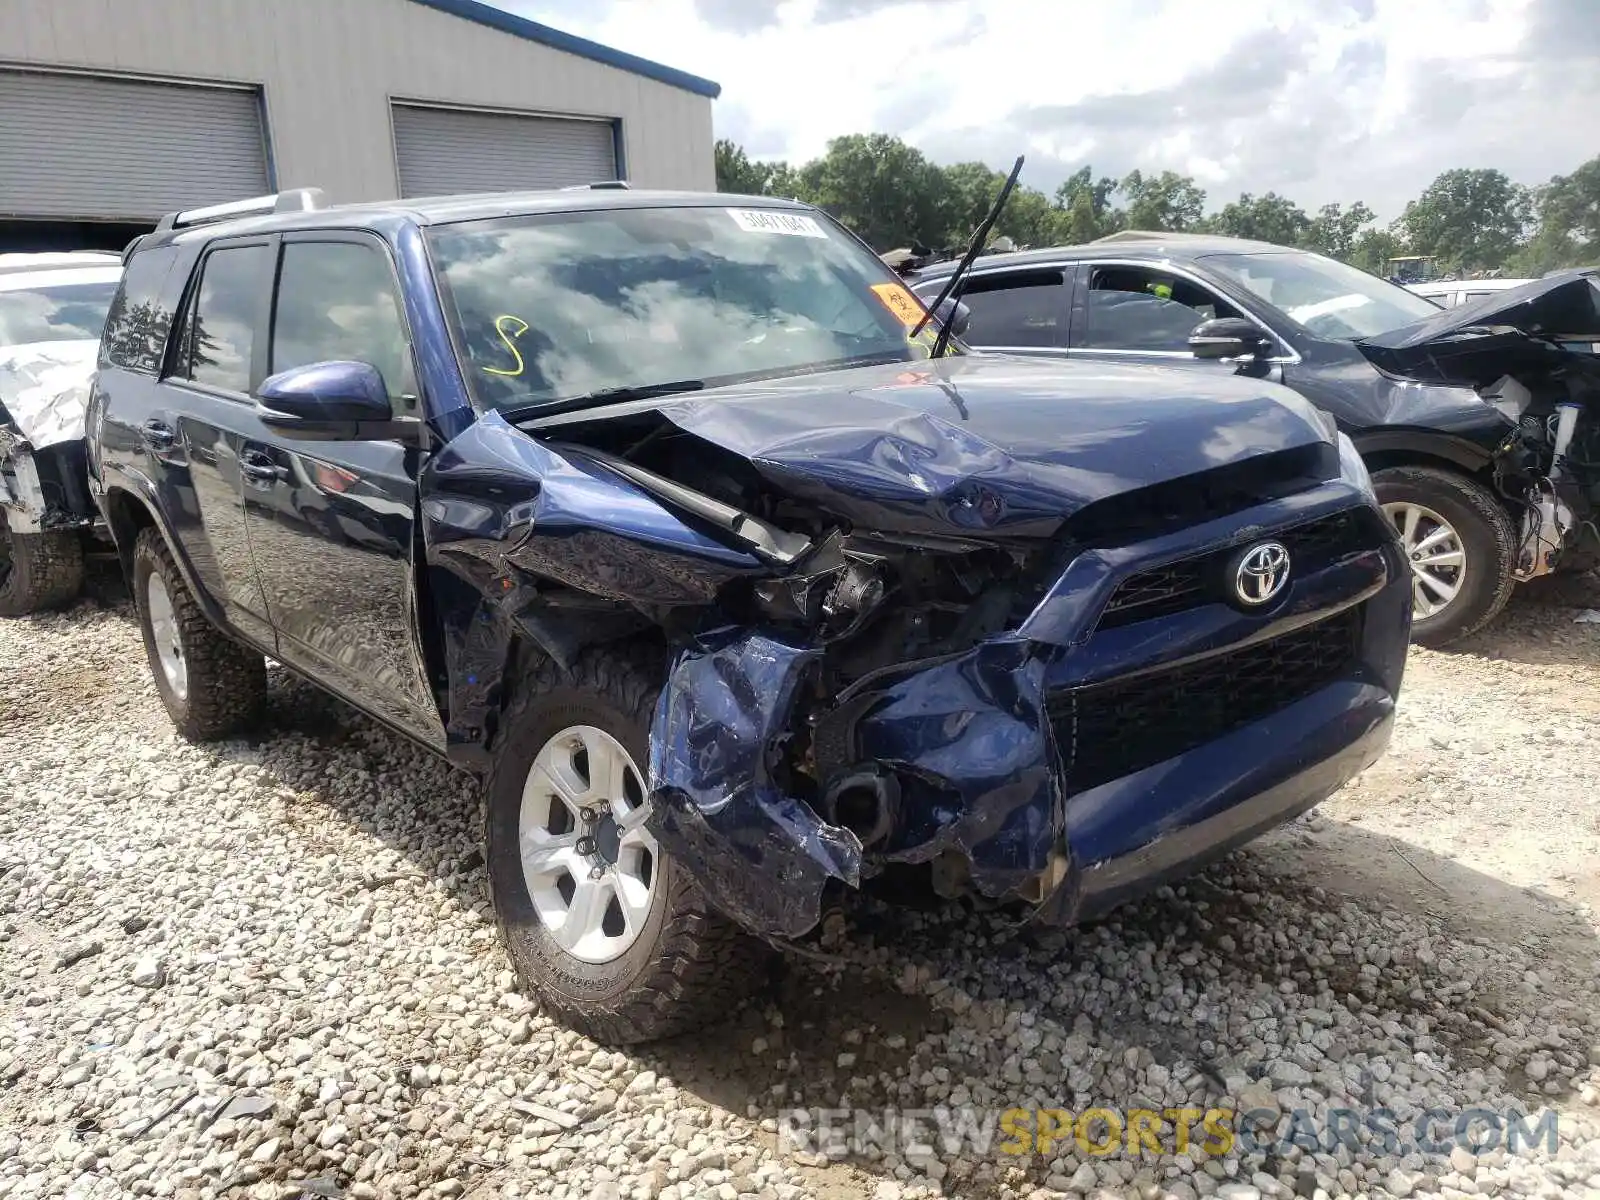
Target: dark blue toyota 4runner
x=737 y=589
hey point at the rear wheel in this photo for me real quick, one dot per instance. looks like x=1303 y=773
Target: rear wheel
x=38 y=571
x=1459 y=543
x=210 y=684
x=600 y=922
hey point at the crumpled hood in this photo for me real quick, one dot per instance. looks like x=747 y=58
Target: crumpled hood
x=1520 y=320
x=45 y=388
x=983 y=444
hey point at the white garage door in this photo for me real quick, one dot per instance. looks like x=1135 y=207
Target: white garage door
x=442 y=151
x=87 y=146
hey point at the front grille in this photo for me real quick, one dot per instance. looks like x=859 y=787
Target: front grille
x=1108 y=730
x=1191 y=582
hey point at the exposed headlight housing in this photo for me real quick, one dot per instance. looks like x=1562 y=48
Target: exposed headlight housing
x=1351 y=469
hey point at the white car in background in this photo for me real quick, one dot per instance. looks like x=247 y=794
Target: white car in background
x=1447 y=293
x=52 y=310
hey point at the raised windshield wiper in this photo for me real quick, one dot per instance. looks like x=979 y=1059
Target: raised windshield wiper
x=646 y=391
x=952 y=287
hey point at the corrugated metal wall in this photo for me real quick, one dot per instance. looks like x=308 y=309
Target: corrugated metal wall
x=329 y=70
x=130 y=150
x=443 y=150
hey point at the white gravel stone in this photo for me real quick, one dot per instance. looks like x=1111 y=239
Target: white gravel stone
x=298 y=977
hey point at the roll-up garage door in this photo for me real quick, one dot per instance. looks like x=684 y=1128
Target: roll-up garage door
x=88 y=146
x=444 y=150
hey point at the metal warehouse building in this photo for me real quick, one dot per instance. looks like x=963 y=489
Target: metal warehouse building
x=113 y=112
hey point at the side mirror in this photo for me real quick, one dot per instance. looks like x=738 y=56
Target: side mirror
x=962 y=316
x=330 y=401
x=1228 y=337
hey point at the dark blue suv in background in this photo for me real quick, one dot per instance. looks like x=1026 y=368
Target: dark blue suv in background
x=666 y=516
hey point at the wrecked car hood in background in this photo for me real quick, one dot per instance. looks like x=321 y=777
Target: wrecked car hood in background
x=45 y=388
x=1522 y=321
x=977 y=445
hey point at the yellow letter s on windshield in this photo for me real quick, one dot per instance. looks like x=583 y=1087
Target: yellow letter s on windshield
x=507 y=338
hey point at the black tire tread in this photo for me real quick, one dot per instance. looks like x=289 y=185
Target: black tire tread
x=227 y=681
x=46 y=572
x=1487 y=508
x=705 y=966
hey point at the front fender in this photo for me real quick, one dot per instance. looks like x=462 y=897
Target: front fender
x=1469 y=455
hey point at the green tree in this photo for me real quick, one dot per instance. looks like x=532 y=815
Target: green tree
x=1373 y=248
x=1167 y=201
x=1269 y=218
x=738 y=173
x=1333 y=231
x=1470 y=218
x=1087 y=207
x=883 y=189
x=972 y=188
x=1568 y=229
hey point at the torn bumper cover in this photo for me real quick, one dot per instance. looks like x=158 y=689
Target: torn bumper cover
x=964 y=739
x=760 y=855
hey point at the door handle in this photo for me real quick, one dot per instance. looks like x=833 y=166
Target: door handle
x=157 y=434
x=259 y=467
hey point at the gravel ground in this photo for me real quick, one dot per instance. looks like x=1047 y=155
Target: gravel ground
x=266 y=968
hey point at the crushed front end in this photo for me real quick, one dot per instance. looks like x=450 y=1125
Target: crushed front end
x=1059 y=722
x=1530 y=354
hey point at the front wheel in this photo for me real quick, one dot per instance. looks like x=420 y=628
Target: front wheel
x=38 y=571
x=599 y=921
x=1460 y=545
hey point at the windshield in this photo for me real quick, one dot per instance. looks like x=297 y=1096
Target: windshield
x=562 y=306
x=1328 y=298
x=66 y=312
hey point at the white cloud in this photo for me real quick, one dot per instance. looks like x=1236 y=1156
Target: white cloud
x=1321 y=100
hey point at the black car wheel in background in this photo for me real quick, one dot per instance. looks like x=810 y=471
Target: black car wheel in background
x=1460 y=544
x=38 y=571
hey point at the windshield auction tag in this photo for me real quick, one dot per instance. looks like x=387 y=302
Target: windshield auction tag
x=769 y=220
x=902 y=302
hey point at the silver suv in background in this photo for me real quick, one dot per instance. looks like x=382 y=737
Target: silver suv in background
x=52 y=309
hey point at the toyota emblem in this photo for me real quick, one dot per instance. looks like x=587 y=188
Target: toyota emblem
x=1262 y=573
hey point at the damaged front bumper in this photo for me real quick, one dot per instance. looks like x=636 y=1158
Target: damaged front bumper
x=1067 y=764
x=43 y=491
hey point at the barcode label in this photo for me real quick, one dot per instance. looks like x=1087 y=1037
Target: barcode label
x=767 y=220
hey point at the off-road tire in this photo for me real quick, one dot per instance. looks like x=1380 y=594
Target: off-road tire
x=227 y=681
x=46 y=571
x=691 y=966
x=1487 y=535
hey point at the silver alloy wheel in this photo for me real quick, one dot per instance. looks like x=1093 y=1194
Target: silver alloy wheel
x=166 y=635
x=589 y=863
x=1434 y=550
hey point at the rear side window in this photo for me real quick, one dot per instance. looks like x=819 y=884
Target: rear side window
x=220 y=337
x=337 y=300
x=1025 y=309
x=140 y=319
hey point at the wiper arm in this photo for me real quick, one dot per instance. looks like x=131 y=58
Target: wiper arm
x=952 y=287
x=602 y=396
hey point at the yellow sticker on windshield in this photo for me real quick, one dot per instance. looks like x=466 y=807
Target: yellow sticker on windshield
x=508 y=339
x=902 y=302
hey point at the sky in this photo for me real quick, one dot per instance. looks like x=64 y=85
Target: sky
x=1318 y=100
